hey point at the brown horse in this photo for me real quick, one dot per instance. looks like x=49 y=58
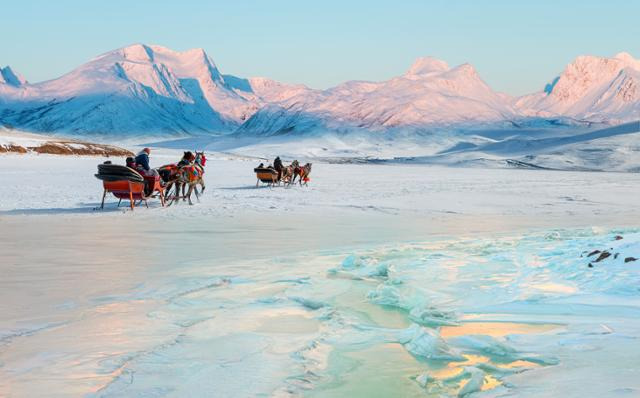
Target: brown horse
x=169 y=173
x=200 y=161
x=287 y=174
x=190 y=175
x=303 y=173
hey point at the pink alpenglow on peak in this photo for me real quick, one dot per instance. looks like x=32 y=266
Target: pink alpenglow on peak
x=152 y=90
x=592 y=88
x=136 y=90
x=425 y=65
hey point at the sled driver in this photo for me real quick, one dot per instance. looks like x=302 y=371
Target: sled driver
x=277 y=164
x=142 y=160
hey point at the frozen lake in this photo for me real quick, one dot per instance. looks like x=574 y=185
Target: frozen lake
x=373 y=281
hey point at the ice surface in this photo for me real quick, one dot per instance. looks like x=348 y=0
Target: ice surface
x=427 y=343
x=477 y=283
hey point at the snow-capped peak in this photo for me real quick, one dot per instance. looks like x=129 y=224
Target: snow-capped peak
x=424 y=65
x=628 y=60
x=137 y=88
x=137 y=53
x=592 y=88
x=588 y=72
x=190 y=63
x=10 y=77
x=466 y=70
x=625 y=56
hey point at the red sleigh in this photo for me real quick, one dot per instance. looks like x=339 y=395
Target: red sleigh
x=126 y=183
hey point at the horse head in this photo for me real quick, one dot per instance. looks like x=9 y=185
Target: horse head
x=200 y=158
x=188 y=156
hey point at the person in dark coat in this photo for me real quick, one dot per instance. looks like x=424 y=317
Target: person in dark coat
x=277 y=164
x=142 y=162
x=142 y=159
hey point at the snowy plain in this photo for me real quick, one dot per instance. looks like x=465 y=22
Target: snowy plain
x=389 y=275
x=375 y=280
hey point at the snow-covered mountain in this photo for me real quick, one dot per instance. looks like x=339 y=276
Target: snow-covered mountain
x=429 y=94
x=136 y=90
x=591 y=88
x=154 y=91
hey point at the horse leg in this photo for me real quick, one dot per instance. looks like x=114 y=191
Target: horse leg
x=168 y=189
x=195 y=189
x=176 y=197
x=189 y=194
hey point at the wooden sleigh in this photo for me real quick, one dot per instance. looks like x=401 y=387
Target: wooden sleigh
x=126 y=183
x=266 y=175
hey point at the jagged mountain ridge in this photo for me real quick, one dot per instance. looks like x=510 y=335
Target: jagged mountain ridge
x=136 y=90
x=152 y=90
x=430 y=93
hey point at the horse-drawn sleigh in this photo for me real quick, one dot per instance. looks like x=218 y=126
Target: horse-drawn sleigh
x=126 y=183
x=286 y=175
x=137 y=185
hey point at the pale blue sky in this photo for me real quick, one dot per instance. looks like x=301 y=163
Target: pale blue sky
x=517 y=46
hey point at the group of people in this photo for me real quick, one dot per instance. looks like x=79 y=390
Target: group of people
x=277 y=166
x=141 y=162
x=287 y=174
